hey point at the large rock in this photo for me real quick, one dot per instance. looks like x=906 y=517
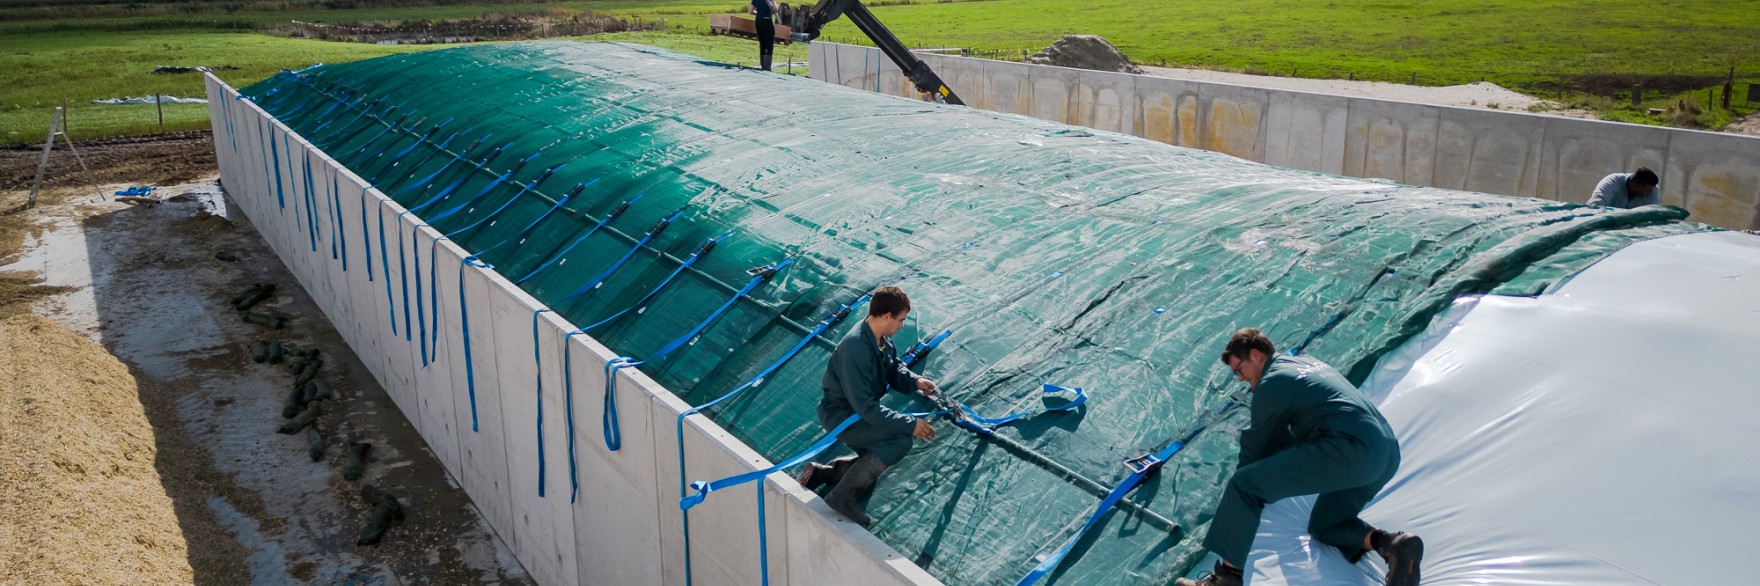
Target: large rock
x=1085 y=52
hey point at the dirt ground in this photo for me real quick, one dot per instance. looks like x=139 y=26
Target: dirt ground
x=1749 y=125
x=240 y=504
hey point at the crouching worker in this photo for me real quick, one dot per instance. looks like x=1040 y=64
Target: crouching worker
x=862 y=367
x=1311 y=432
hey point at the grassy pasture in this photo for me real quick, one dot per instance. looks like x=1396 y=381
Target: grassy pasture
x=1595 y=51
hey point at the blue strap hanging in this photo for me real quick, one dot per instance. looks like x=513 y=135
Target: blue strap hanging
x=538 y=365
x=613 y=433
x=683 y=482
x=464 y=320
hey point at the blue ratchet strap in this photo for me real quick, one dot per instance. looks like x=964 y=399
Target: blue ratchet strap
x=922 y=347
x=613 y=433
x=538 y=365
x=424 y=160
x=704 y=488
x=1140 y=467
x=366 y=108
x=970 y=419
x=702 y=250
x=401 y=132
x=491 y=217
x=615 y=212
x=447 y=191
x=469 y=205
x=336 y=221
x=520 y=235
x=339 y=138
x=464 y=318
x=683 y=483
x=388 y=128
x=647 y=237
x=419 y=141
x=460 y=156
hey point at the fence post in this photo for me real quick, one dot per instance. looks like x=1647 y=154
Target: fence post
x=55 y=121
x=159 y=101
x=1637 y=95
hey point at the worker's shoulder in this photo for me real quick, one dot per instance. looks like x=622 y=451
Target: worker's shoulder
x=1298 y=371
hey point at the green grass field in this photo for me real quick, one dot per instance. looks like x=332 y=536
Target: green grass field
x=1595 y=47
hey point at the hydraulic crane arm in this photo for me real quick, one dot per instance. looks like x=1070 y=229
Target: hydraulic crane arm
x=925 y=79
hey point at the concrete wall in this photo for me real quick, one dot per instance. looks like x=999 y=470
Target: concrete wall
x=366 y=263
x=1715 y=176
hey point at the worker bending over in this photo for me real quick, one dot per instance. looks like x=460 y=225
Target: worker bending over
x=1311 y=432
x=1627 y=190
x=864 y=365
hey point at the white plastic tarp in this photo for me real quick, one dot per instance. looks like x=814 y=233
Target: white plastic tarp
x=1603 y=433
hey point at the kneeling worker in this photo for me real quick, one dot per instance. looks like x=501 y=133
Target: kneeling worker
x=1311 y=432
x=862 y=367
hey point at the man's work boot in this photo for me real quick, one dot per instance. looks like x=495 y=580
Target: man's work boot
x=857 y=484
x=816 y=475
x=1403 y=551
x=1220 y=575
x=764 y=60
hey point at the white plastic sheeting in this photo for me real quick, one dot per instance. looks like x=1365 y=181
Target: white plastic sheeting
x=1603 y=433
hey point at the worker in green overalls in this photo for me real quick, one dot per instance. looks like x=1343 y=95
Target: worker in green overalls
x=864 y=365
x=1311 y=432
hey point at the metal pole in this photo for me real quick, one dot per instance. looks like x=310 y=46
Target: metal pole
x=55 y=121
x=159 y=101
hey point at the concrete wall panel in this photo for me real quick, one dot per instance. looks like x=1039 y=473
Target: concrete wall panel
x=1508 y=153
x=821 y=543
x=543 y=533
x=465 y=313
x=1715 y=176
x=617 y=524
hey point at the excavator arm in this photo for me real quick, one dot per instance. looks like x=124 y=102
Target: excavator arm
x=925 y=79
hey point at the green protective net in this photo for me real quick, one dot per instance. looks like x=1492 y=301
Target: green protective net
x=1054 y=254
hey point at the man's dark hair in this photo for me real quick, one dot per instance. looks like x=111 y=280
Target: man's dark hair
x=1644 y=176
x=888 y=300
x=1246 y=340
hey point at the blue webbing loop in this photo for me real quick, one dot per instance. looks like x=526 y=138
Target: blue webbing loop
x=613 y=432
x=336 y=219
x=311 y=211
x=403 y=273
x=456 y=158
x=421 y=318
x=434 y=295
x=982 y=425
x=647 y=237
x=491 y=217
x=538 y=365
x=366 y=237
x=574 y=479
x=275 y=154
x=702 y=249
x=464 y=318
x=683 y=482
x=612 y=215
x=520 y=235
x=471 y=202
x=1148 y=467
x=385 y=261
